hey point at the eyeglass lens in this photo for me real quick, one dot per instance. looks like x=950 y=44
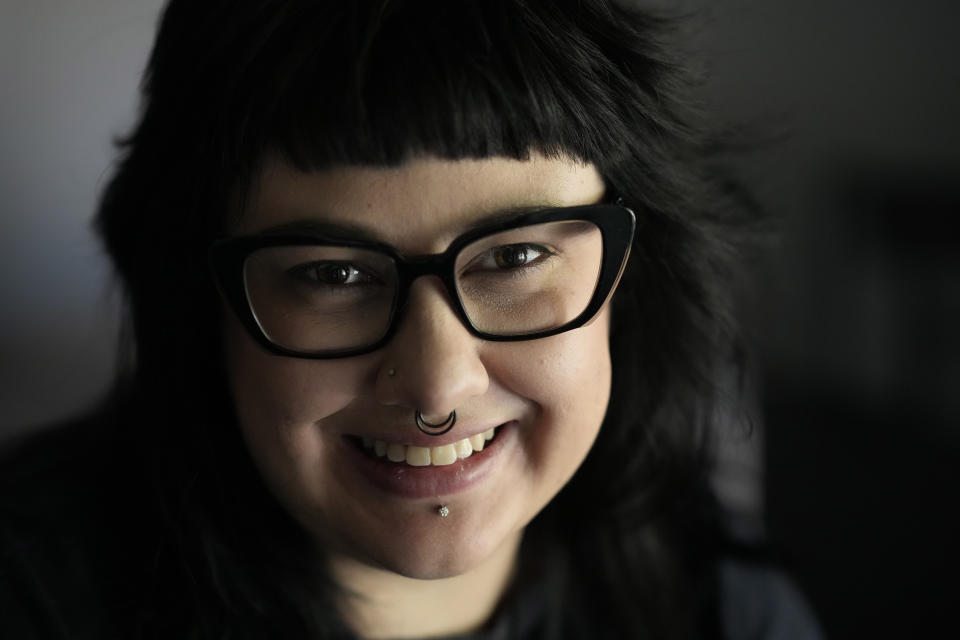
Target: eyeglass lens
x=520 y=281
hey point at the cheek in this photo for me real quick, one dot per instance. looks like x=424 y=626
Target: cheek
x=280 y=402
x=563 y=373
x=284 y=390
x=567 y=379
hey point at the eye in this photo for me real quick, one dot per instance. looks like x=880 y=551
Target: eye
x=512 y=256
x=332 y=274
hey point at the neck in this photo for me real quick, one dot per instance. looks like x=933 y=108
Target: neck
x=388 y=605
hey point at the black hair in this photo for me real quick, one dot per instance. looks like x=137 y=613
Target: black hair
x=377 y=82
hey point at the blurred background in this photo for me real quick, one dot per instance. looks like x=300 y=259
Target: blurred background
x=855 y=314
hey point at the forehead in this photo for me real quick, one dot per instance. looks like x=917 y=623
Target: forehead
x=418 y=206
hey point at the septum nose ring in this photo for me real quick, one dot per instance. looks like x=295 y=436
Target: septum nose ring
x=429 y=428
x=435 y=429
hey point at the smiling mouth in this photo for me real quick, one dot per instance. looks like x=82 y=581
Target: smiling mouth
x=416 y=456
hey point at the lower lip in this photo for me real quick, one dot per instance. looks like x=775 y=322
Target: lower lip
x=407 y=481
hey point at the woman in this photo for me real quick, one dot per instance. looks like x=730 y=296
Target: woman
x=379 y=383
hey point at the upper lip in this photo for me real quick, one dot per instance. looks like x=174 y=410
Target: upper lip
x=410 y=435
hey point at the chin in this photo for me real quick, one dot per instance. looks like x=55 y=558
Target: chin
x=444 y=550
x=432 y=569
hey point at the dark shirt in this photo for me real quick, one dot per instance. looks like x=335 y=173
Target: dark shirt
x=66 y=568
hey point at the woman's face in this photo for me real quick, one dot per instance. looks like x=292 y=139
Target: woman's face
x=304 y=421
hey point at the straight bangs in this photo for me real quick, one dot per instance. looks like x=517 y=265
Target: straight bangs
x=393 y=80
x=378 y=82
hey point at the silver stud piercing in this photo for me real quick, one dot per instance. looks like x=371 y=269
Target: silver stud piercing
x=437 y=429
x=443 y=511
x=391 y=372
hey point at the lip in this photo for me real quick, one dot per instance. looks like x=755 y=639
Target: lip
x=419 y=439
x=406 y=481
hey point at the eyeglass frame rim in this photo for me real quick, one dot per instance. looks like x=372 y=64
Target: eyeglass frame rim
x=226 y=257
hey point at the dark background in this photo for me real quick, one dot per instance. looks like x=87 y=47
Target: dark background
x=856 y=309
x=857 y=312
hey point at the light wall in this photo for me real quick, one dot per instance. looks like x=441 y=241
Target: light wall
x=68 y=76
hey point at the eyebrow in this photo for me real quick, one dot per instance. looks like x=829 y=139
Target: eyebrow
x=350 y=231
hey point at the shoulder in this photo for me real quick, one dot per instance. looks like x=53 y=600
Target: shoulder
x=759 y=602
x=56 y=540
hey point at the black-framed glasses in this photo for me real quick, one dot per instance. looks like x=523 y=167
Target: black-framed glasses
x=313 y=296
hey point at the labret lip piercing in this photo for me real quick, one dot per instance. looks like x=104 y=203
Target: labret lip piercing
x=432 y=429
x=435 y=429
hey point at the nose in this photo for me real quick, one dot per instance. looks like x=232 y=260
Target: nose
x=433 y=361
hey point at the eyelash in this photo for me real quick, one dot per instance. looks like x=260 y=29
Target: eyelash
x=309 y=273
x=519 y=270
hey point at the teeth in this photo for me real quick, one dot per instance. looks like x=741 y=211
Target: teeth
x=464 y=448
x=442 y=455
x=422 y=456
x=396 y=452
x=417 y=456
x=477 y=442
